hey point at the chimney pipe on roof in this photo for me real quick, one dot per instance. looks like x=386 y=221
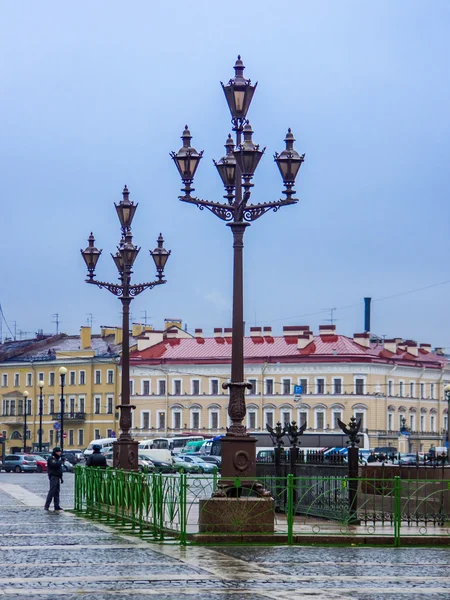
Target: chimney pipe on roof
x=367 y=302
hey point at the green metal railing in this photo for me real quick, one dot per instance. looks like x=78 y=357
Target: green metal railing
x=300 y=509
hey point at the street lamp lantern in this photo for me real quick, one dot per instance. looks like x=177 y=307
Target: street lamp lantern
x=226 y=166
x=248 y=154
x=126 y=449
x=91 y=255
x=289 y=162
x=125 y=210
x=187 y=160
x=160 y=256
x=239 y=92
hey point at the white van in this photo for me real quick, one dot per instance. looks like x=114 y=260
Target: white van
x=161 y=455
x=104 y=443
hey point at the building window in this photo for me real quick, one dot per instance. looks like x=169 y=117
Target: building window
x=390 y=422
x=269 y=418
x=29 y=379
x=97 y=401
x=109 y=405
x=13 y=408
x=81 y=404
x=5 y=408
x=5 y=380
x=161 y=420
x=302 y=418
x=359 y=387
x=109 y=433
x=432 y=390
x=320 y=419
x=304 y=384
x=70 y=437
x=51 y=379
x=422 y=423
x=446 y=422
x=251 y=420
x=195 y=419
x=358 y=416
x=96 y=434
x=82 y=377
x=390 y=388
x=286 y=386
x=195 y=387
x=50 y=437
x=110 y=376
x=98 y=377
x=72 y=377
x=337 y=386
x=81 y=438
x=269 y=386
x=145 y=420
x=411 y=389
x=51 y=405
x=131 y=387
x=214 y=420
x=162 y=387
x=320 y=386
x=337 y=415
x=177 y=387
x=432 y=423
x=214 y=387
x=253 y=391
x=285 y=417
x=400 y=389
x=20 y=408
x=16 y=380
x=72 y=405
x=412 y=422
x=422 y=390
x=146 y=387
x=177 y=420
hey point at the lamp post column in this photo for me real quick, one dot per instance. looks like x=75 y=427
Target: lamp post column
x=41 y=410
x=25 y=402
x=62 y=374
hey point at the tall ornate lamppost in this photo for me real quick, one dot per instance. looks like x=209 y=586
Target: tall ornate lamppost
x=41 y=410
x=125 y=449
x=25 y=402
x=236 y=170
x=62 y=377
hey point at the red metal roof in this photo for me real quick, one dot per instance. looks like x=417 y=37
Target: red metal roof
x=322 y=348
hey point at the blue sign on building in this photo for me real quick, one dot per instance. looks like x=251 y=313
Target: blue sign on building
x=57 y=426
x=298 y=389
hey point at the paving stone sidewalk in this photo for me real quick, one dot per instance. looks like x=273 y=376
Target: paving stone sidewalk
x=50 y=555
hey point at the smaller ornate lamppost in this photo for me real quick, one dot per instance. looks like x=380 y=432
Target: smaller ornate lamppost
x=25 y=430
x=62 y=375
x=352 y=430
x=41 y=410
x=447 y=397
x=125 y=449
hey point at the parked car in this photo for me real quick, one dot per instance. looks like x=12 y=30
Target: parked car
x=41 y=463
x=408 y=459
x=162 y=466
x=181 y=466
x=216 y=460
x=205 y=467
x=72 y=457
x=19 y=463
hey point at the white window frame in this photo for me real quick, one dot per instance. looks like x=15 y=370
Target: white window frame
x=307 y=384
x=285 y=411
x=141 y=420
x=158 y=419
x=401 y=389
x=165 y=384
x=412 y=389
x=99 y=373
x=99 y=399
x=290 y=386
x=266 y=392
x=316 y=385
x=423 y=423
x=72 y=376
x=364 y=411
x=110 y=375
x=80 y=438
x=97 y=435
x=69 y=400
x=212 y=411
x=391 y=421
x=423 y=390
x=412 y=421
x=211 y=393
x=433 y=423
x=252 y=411
x=177 y=411
x=391 y=388
x=4 y=379
x=364 y=378
x=432 y=388
x=269 y=411
x=342 y=386
x=108 y=398
x=199 y=386
x=79 y=377
x=191 y=417
x=302 y=411
x=17 y=379
x=335 y=411
x=173 y=386
x=143 y=382
x=82 y=399
x=29 y=380
x=254 y=391
x=324 y=412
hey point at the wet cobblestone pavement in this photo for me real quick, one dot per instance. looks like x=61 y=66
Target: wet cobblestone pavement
x=47 y=556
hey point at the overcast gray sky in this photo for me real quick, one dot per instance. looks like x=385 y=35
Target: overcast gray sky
x=94 y=95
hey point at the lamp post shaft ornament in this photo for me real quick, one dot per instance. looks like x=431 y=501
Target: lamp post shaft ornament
x=125 y=449
x=236 y=169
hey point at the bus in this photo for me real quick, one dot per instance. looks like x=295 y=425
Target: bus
x=174 y=444
x=310 y=440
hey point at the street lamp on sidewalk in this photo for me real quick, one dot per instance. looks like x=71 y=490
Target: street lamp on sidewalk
x=62 y=376
x=125 y=449
x=25 y=402
x=447 y=397
x=236 y=169
x=41 y=410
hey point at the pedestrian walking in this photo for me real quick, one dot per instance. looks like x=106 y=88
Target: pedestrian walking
x=55 y=475
x=96 y=459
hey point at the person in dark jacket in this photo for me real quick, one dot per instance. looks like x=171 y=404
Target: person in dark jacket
x=55 y=475
x=96 y=459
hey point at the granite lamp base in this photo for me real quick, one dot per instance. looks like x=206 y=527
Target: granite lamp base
x=237 y=515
